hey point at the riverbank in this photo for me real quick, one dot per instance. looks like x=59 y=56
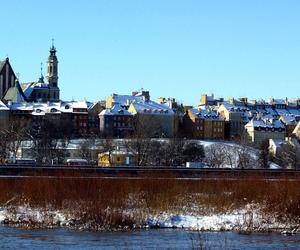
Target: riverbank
x=91 y=204
x=247 y=220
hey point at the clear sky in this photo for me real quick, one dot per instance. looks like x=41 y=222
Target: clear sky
x=173 y=48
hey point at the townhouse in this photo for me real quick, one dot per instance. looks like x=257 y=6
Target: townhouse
x=204 y=123
x=260 y=129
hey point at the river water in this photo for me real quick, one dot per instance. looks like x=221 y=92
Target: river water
x=12 y=238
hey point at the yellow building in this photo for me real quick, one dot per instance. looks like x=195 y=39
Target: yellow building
x=116 y=158
x=236 y=118
x=210 y=100
x=296 y=132
x=205 y=124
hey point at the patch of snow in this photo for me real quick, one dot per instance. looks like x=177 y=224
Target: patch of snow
x=248 y=219
x=207 y=222
x=274 y=165
x=20 y=214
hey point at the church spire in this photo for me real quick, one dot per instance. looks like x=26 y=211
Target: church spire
x=41 y=80
x=52 y=67
x=52 y=73
x=52 y=51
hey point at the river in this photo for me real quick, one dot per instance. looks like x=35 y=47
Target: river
x=12 y=238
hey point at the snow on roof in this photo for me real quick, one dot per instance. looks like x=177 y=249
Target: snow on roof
x=205 y=114
x=152 y=108
x=233 y=108
x=29 y=87
x=292 y=104
x=282 y=111
x=278 y=101
x=271 y=111
x=21 y=106
x=79 y=105
x=115 y=110
x=49 y=107
x=127 y=99
x=106 y=112
x=265 y=123
x=295 y=112
x=3 y=106
x=91 y=105
x=289 y=119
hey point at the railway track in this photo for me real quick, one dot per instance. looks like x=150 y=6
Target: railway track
x=55 y=171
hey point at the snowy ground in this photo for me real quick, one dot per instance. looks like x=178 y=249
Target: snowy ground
x=248 y=219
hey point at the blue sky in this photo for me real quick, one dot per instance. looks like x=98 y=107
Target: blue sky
x=178 y=49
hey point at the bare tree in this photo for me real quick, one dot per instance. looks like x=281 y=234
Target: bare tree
x=264 y=155
x=287 y=157
x=106 y=145
x=85 y=150
x=140 y=142
x=49 y=145
x=156 y=153
x=230 y=155
x=244 y=157
x=215 y=156
x=11 y=138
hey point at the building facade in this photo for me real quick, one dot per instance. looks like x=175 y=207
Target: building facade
x=258 y=130
x=116 y=122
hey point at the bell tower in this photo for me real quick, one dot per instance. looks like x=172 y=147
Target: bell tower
x=52 y=67
x=52 y=75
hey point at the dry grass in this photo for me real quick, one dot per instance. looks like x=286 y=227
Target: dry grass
x=104 y=203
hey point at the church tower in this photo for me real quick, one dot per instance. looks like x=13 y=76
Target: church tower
x=53 y=74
